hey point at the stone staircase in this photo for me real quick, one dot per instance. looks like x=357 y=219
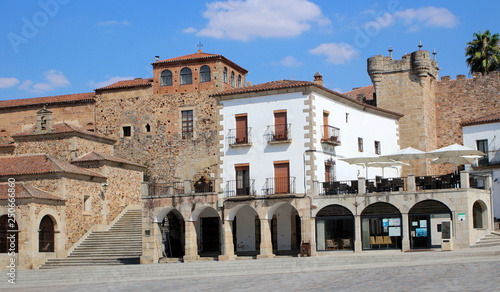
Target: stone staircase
x=492 y=239
x=120 y=245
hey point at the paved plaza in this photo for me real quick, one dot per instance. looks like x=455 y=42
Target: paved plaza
x=454 y=272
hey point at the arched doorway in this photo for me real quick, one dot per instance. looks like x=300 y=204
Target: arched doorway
x=9 y=235
x=425 y=220
x=246 y=231
x=381 y=227
x=208 y=231
x=334 y=228
x=171 y=224
x=479 y=214
x=286 y=231
x=46 y=235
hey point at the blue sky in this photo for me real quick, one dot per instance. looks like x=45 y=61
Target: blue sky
x=52 y=47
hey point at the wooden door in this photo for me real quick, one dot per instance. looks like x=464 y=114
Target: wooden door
x=281 y=178
x=280 y=126
x=241 y=129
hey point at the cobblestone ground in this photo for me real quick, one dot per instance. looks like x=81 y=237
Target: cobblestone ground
x=480 y=274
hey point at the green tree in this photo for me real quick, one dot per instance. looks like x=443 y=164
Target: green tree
x=483 y=53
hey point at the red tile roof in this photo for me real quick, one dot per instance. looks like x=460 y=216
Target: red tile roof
x=39 y=164
x=57 y=99
x=62 y=128
x=26 y=191
x=137 y=82
x=493 y=118
x=286 y=84
x=366 y=91
x=199 y=56
x=95 y=156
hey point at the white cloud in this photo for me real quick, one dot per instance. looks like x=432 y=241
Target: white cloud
x=109 y=81
x=113 y=22
x=290 y=62
x=428 y=16
x=189 y=30
x=7 y=82
x=54 y=80
x=247 y=19
x=336 y=53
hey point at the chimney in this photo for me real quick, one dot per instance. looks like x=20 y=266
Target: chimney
x=157 y=58
x=318 y=79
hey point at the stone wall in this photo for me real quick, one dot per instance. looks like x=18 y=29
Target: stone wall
x=64 y=147
x=16 y=120
x=162 y=149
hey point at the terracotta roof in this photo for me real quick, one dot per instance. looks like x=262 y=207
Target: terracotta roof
x=68 y=98
x=26 y=191
x=62 y=128
x=39 y=164
x=285 y=84
x=493 y=118
x=189 y=57
x=137 y=82
x=366 y=91
x=199 y=56
x=95 y=156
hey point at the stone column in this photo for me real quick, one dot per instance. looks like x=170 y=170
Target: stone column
x=191 y=248
x=309 y=233
x=405 y=232
x=358 y=244
x=464 y=180
x=410 y=183
x=228 y=246
x=266 y=245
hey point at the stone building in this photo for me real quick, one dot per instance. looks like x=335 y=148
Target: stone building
x=66 y=184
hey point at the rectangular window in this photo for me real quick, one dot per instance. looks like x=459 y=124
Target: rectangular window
x=187 y=124
x=281 y=177
x=482 y=145
x=242 y=179
x=86 y=204
x=377 y=148
x=127 y=131
x=280 y=126
x=325 y=124
x=360 y=144
x=241 y=129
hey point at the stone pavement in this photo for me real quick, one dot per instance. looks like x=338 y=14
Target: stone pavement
x=466 y=270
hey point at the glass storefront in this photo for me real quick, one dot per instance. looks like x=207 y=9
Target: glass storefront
x=381 y=227
x=334 y=229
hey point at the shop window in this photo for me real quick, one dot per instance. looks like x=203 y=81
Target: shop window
x=166 y=78
x=186 y=76
x=187 y=124
x=205 y=73
x=8 y=229
x=46 y=235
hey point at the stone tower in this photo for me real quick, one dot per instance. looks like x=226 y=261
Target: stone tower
x=408 y=86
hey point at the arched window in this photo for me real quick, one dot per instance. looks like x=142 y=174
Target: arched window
x=166 y=78
x=46 y=235
x=186 y=76
x=8 y=230
x=478 y=213
x=204 y=73
x=232 y=79
x=225 y=75
x=239 y=80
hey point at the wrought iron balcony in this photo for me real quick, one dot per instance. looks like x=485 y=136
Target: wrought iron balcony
x=331 y=135
x=279 y=133
x=239 y=188
x=239 y=137
x=279 y=185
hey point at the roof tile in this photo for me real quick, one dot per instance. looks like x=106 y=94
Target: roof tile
x=26 y=191
x=137 y=82
x=68 y=98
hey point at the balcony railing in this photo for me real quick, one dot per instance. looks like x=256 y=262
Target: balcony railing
x=239 y=137
x=239 y=188
x=279 y=133
x=279 y=185
x=398 y=184
x=186 y=187
x=331 y=135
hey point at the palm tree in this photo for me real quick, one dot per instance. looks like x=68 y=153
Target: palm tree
x=483 y=52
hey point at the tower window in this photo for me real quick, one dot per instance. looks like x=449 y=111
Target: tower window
x=204 y=73
x=148 y=128
x=127 y=131
x=186 y=76
x=187 y=124
x=166 y=78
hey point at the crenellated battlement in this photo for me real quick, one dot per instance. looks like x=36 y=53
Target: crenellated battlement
x=493 y=76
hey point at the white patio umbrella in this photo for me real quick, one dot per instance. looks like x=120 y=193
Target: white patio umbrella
x=386 y=164
x=454 y=150
x=364 y=158
x=408 y=153
x=466 y=159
